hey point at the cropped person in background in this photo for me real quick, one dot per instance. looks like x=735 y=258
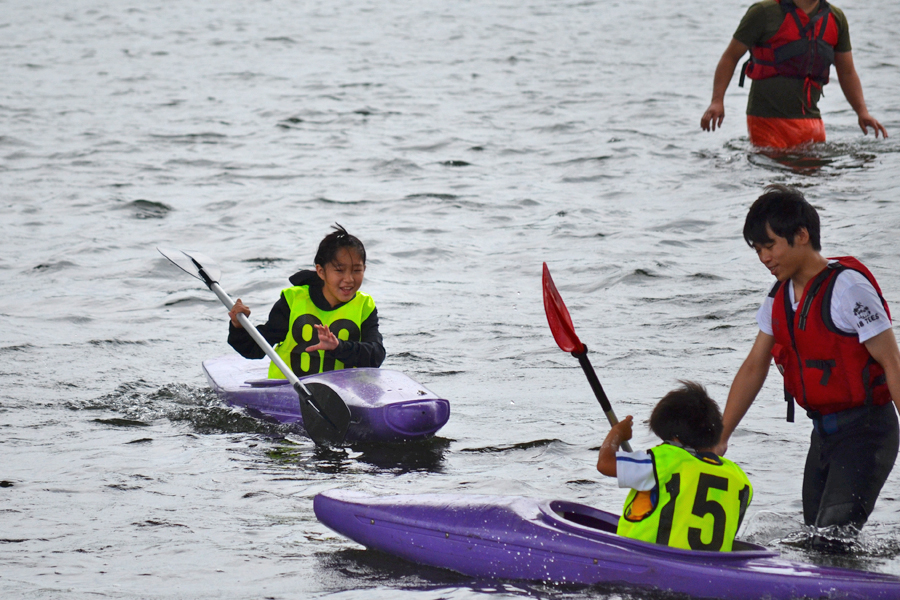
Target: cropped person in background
x=792 y=45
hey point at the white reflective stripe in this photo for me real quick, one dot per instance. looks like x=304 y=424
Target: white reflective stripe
x=635 y=470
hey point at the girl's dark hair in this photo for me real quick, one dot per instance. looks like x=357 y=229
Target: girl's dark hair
x=688 y=414
x=785 y=211
x=338 y=239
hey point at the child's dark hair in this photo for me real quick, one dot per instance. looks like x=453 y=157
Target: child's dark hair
x=785 y=211
x=688 y=414
x=338 y=239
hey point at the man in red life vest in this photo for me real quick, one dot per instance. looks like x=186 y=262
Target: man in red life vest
x=827 y=324
x=792 y=45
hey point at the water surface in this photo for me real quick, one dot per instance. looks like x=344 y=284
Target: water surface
x=465 y=143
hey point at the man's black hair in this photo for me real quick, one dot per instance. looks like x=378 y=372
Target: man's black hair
x=785 y=211
x=688 y=414
x=338 y=239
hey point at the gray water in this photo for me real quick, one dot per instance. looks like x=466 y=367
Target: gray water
x=465 y=143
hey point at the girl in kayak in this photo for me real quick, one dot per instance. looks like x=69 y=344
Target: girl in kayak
x=682 y=494
x=322 y=322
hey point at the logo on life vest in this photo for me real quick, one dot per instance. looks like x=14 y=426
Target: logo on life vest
x=865 y=316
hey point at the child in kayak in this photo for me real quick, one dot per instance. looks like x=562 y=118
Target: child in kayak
x=323 y=322
x=682 y=494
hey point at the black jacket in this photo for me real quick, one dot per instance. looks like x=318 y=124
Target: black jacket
x=366 y=353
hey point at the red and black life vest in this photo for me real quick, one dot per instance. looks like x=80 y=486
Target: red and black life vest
x=802 y=48
x=826 y=370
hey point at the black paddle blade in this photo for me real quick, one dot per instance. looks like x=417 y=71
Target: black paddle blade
x=192 y=262
x=326 y=417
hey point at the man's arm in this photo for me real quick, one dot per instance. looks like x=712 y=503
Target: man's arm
x=746 y=385
x=715 y=114
x=883 y=348
x=852 y=88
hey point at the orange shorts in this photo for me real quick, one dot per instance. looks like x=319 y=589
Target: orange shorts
x=784 y=133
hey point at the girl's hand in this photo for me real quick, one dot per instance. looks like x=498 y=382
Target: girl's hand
x=327 y=340
x=238 y=308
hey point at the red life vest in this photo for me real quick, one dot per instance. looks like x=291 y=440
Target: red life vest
x=825 y=369
x=802 y=48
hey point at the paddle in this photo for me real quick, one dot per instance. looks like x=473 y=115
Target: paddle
x=326 y=417
x=564 y=334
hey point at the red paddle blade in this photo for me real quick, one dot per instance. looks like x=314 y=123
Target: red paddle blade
x=558 y=317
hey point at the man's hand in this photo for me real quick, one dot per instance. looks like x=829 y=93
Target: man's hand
x=866 y=120
x=883 y=348
x=852 y=88
x=713 y=116
x=722 y=448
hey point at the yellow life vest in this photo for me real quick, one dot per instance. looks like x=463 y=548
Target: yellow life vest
x=344 y=321
x=698 y=502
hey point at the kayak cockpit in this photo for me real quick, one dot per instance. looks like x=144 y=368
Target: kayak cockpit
x=562 y=513
x=585 y=515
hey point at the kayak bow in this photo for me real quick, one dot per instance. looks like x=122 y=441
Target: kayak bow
x=385 y=405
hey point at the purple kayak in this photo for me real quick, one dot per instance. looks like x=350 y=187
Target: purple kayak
x=385 y=405
x=510 y=537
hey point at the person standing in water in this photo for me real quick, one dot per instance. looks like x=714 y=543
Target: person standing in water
x=792 y=45
x=322 y=322
x=828 y=326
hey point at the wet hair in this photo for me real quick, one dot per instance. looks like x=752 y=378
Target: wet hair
x=336 y=241
x=785 y=211
x=688 y=414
